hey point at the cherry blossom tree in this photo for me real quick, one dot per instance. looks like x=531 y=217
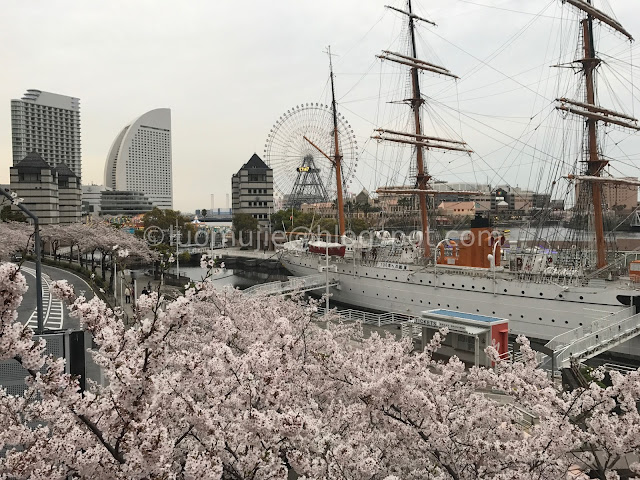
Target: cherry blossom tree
x=218 y=384
x=15 y=236
x=87 y=238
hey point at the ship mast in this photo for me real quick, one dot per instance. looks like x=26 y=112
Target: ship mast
x=595 y=163
x=594 y=114
x=416 y=102
x=337 y=157
x=417 y=139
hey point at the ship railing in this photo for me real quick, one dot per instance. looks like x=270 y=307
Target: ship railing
x=561 y=281
x=617 y=266
x=567 y=338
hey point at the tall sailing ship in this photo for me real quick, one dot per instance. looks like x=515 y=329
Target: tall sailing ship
x=542 y=292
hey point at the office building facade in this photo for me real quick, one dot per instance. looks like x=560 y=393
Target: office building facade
x=49 y=124
x=139 y=159
x=116 y=202
x=252 y=190
x=54 y=195
x=69 y=195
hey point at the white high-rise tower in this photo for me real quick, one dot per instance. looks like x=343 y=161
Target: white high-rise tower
x=48 y=124
x=140 y=158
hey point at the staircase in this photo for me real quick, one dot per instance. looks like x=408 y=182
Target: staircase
x=591 y=340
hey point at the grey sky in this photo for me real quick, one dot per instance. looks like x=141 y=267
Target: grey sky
x=228 y=70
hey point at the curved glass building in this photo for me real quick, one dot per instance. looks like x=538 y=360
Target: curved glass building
x=140 y=158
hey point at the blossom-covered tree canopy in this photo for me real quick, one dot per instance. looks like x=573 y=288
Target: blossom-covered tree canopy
x=81 y=237
x=14 y=236
x=217 y=384
x=97 y=236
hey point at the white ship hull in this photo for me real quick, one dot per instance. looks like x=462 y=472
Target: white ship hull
x=537 y=310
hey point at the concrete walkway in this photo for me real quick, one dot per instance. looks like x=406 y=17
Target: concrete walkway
x=142 y=283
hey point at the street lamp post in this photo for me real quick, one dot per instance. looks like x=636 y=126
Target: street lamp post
x=211 y=241
x=326 y=276
x=177 y=251
x=493 y=265
x=36 y=241
x=115 y=277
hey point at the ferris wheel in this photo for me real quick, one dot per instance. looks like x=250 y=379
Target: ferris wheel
x=297 y=148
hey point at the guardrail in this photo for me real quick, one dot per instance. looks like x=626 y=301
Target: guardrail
x=567 y=338
x=377 y=319
x=595 y=342
x=623 y=369
x=302 y=284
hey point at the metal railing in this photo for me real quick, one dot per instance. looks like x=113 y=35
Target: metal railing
x=623 y=369
x=302 y=284
x=377 y=319
x=602 y=339
x=567 y=338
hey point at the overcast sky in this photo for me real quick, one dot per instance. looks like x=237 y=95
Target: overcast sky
x=228 y=70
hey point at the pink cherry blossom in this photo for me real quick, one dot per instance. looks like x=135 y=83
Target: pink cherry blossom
x=216 y=384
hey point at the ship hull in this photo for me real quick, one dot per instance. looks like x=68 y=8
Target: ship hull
x=538 y=310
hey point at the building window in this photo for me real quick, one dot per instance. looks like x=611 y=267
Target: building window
x=29 y=177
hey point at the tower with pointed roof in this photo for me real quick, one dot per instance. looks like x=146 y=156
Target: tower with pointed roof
x=33 y=180
x=252 y=190
x=53 y=194
x=69 y=195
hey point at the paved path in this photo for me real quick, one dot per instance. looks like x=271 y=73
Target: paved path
x=52 y=308
x=251 y=253
x=55 y=314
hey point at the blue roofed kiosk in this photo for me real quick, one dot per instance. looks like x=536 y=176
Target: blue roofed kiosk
x=469 y=334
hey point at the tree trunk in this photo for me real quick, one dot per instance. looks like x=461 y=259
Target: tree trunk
x=103 y=265
x=111 y=277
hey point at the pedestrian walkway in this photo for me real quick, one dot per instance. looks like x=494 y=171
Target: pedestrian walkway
x=591 y=340
x=296 y=284
x=142 y=282
x=238 y=252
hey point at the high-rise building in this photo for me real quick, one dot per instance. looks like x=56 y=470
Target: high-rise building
x=49 y=124
x=140 y=158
